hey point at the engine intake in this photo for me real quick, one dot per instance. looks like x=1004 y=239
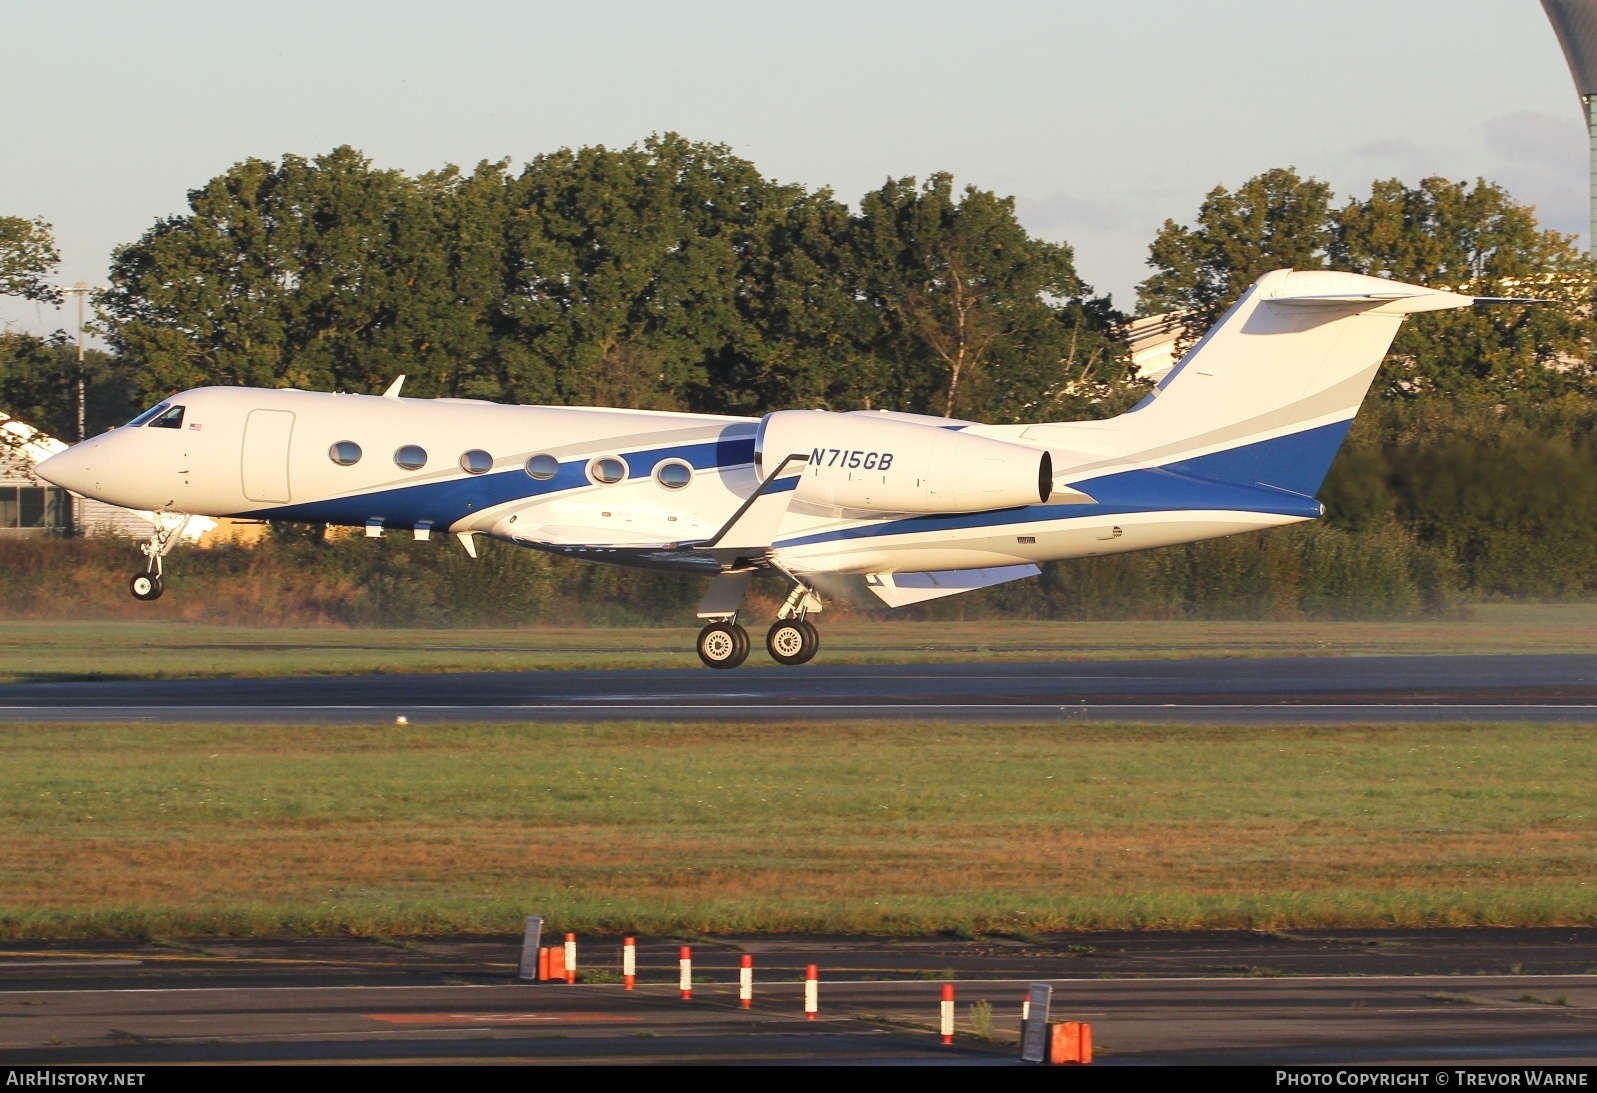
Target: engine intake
x=861 y=461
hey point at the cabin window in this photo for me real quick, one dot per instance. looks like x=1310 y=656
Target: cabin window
x=411 y=457
x=346 y=453
x=476 y=461
x=172 y=419
x=147 y=415
x=607 y=470
x=543 y=467
x=673 y=474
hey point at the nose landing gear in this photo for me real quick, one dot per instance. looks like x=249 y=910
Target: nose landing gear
x=147 y=585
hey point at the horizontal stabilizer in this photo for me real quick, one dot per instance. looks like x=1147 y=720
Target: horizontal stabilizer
x=902 y=589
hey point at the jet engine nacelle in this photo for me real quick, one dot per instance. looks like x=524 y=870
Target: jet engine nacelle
x=865 y=461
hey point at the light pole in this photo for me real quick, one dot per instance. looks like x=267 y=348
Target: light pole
x=81 y=290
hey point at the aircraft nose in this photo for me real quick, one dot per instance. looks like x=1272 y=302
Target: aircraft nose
x=71 y=469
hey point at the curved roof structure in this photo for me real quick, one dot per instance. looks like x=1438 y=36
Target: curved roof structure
x=1575 y=22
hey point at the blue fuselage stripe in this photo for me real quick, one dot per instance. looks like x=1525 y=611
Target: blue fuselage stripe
x=442 y=503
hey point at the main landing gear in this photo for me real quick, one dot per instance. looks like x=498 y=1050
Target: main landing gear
x=789 y=641
x=723 y=644
x=792 y=639
x=147 y=584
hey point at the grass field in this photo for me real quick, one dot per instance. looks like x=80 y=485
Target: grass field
x=174 y=830
x=110 y=650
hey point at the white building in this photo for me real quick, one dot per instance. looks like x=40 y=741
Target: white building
x=1153 y=343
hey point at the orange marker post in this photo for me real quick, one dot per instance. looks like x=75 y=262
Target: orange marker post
x=629 y=961
x=948 y=1013
x=543 y=964
x=812 y=991
x=685 y=972
x=746 y=982
x=571 y=958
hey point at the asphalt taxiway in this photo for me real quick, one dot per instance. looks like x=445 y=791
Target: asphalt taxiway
x=1360 y=997
x=1560 y=687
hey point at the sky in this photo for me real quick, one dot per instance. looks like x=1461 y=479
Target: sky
x=1101 y=119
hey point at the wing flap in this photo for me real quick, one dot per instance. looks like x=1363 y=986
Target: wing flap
x=902 y=589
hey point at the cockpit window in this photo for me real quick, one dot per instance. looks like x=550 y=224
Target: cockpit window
x=147 y=415
x=172 y=419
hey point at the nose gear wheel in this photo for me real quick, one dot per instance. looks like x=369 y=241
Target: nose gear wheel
x=723 y=645
x=146 y=586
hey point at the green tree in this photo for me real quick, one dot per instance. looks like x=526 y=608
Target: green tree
x=38 y=385
x=1275 y=220
x=666 y=275
x=1480 y=242
x=28 y=255
x=671 y=274
x=971 y=303
x=323 y=273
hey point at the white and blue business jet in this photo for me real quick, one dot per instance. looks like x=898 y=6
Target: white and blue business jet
x=1237 y=437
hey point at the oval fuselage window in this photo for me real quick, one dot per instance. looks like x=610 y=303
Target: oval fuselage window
x=607 y=471
x=673 y=475
x=543 y=467
x=346 y=453
x=411 y=457
x=476 y=461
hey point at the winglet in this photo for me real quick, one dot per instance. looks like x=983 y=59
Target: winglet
x=393 y=388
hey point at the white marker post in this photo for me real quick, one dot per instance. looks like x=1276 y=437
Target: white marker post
x=685 y=972
x=812 y=991
x=529 y=948
x=947 y=1015
x=1034 y=1033
x=571 y=958
x=746 y=982
x=629 y=961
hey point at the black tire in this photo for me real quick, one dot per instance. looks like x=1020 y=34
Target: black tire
x=723 y=645
x=813 y=645
x=788 y=640
x=146 y=586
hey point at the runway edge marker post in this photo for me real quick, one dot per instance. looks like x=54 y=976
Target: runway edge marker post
x=571 y=958
x=629 y=961
x=746 y=981
x=947 y=1014
x=685 y=972
x=527 y=969
x=812 y=991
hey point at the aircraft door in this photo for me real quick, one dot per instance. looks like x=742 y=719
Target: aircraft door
x=265 y=455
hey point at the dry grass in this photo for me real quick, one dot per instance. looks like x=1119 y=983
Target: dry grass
x=79 y=650
x=185 y=829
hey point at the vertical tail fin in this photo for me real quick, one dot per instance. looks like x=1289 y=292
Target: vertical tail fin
x=1267 y=395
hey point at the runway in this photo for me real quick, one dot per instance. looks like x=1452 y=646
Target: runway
x=1370 y=997
x=1546 y=688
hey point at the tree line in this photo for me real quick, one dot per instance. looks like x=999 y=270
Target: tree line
x=667 y=275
